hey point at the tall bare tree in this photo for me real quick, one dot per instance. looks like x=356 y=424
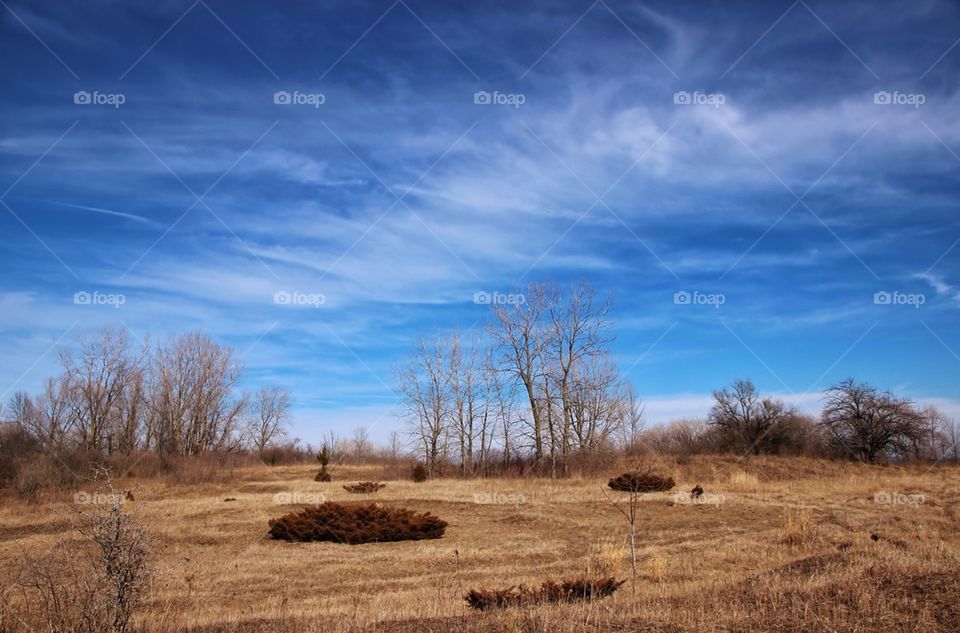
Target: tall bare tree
x=104 y=383
x=269 y=417
x=523 y=339
x=425 y=386
x=578 y=325
x=193 y=408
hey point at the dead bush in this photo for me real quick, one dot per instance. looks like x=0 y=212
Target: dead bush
x=352 y=524
x=86 y=585
x=419 y=473
x=566 y=590
x=641 y=482
x=364 y=486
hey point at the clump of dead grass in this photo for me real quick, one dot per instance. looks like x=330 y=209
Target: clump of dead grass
x=799 y=528
x=550 y=591
x=364 y=487
x=607 y=557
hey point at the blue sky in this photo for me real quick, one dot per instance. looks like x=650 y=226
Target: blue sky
x=791 y=160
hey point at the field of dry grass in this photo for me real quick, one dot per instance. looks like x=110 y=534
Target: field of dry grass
x=783 y=544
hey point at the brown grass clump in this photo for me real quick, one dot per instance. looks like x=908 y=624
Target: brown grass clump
x=364 y=486
x=799 y=528
x=641 y=482
x=353 y=524
x=606 y=557
x=566 y=590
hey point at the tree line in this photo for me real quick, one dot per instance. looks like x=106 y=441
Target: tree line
x=539 y=386
x=179 y=397
x=539 y=381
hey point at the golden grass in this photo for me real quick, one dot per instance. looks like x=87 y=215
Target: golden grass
x=789 y=548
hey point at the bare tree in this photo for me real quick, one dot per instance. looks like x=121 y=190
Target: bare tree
x=425 y=386
x=578 y=332
x=868 y=424
x=394 y=445
x=192 y=405
x=951 y=433
x=523 y=339
x=747 y=421
x=361 y=443
x=103 y=381
x=269 y=415
x=600 y=403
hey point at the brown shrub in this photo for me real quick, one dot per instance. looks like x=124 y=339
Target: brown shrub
x=419 y=473
x=364 y=486
x=641 y=482
x=353 y=524
x=322 y=475
x=566 y=590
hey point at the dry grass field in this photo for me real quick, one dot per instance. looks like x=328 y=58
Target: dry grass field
x=782 y=544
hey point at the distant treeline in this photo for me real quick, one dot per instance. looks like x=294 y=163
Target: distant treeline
x=539 y=387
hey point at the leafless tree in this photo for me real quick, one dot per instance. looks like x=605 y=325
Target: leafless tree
x=578 y=332
x=868 y=424
x=192 y=404
x=632 y=416
x=951 y=433
x=394 y=445
x=425 y=386
x=361 y=443
x=269 y=416
x=523 y=339
x=746 y=420
x=599 y=403
x=104 y=382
